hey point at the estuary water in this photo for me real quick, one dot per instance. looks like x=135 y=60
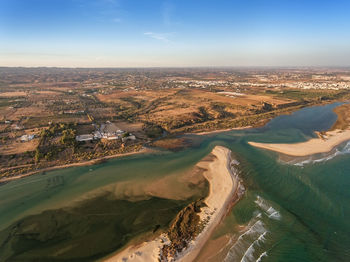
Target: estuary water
x=291 y=211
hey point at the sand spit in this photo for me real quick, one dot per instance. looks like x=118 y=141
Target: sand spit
x=225 y=188
x=322 y=144
x=219 y=131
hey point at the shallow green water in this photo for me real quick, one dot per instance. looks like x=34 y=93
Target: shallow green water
x=292 y=212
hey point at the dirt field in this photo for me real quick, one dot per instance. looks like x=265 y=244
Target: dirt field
x=18 y=147
x=116 y=97
x=46 y=92
x=13 y=94
x=244 y=100
x=129 y=127
x=177 y=107
x=19 y=113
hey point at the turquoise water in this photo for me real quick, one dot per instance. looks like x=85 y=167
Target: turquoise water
x=290 y=212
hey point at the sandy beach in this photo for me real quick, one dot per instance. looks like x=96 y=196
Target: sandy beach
x=224 y=188
x=313 y=146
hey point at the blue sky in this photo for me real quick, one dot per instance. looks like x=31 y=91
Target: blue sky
x=138 y=33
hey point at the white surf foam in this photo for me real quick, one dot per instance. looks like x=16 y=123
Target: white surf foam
x=235 y=162
x=323 y=158
x=244 y=246
x=263 y=254
x=249 y=253
x=248 y=246
x=267 y=208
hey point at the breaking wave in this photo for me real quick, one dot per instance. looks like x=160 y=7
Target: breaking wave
x=263 y=254
x=248 y=255
x=267 y=208
x=244 y=247
x=312 y=160
x=250 y=245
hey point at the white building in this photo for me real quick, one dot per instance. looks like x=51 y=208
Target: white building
x=26 y=138
x=130 y=137
x=97 y=135
x=107 y=131
x=87 y=137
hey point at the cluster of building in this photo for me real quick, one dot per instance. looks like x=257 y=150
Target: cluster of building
x=231 y=94
x=309 y=85
x=198 y=83
x=269 y=81
x=71 y=112
x=323 y=85
x=23 y=138
x=107 y=131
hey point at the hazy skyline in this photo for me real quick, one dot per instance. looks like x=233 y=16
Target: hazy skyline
x=122 y=33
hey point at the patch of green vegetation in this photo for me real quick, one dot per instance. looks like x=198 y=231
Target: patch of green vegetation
x=48 y=148
x=253 y=119
x=135 y=103
x=220 y=109
x=203 y=114
x=300 y=94
x=184 y=228
x=68 y=137
x=152 y=130
x=7 y=102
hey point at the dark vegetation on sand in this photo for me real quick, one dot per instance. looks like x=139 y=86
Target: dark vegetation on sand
x=183 y=229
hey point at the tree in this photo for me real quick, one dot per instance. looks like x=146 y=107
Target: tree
x=37 y=156
x=68 y=137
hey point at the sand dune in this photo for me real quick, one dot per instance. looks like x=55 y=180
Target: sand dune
x=310 y=147
x=224 y=186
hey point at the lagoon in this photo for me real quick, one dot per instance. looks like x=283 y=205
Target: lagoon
x=289 y=212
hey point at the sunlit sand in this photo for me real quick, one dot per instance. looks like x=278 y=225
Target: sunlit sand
x=224 y=188
x=310 y=147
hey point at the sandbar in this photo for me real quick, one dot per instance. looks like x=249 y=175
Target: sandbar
x=224 y=189
x=323 y=144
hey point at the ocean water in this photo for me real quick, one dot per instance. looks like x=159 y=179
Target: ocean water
x=295 y=210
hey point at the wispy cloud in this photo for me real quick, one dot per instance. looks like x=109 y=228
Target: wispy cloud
x=164 y=37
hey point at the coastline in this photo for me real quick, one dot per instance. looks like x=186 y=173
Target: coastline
x=143 y=150
x=219 y=131
x=323 y=144
x=84 y=163
x=224 y=190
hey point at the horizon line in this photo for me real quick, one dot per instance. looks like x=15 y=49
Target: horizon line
x=179 y=67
